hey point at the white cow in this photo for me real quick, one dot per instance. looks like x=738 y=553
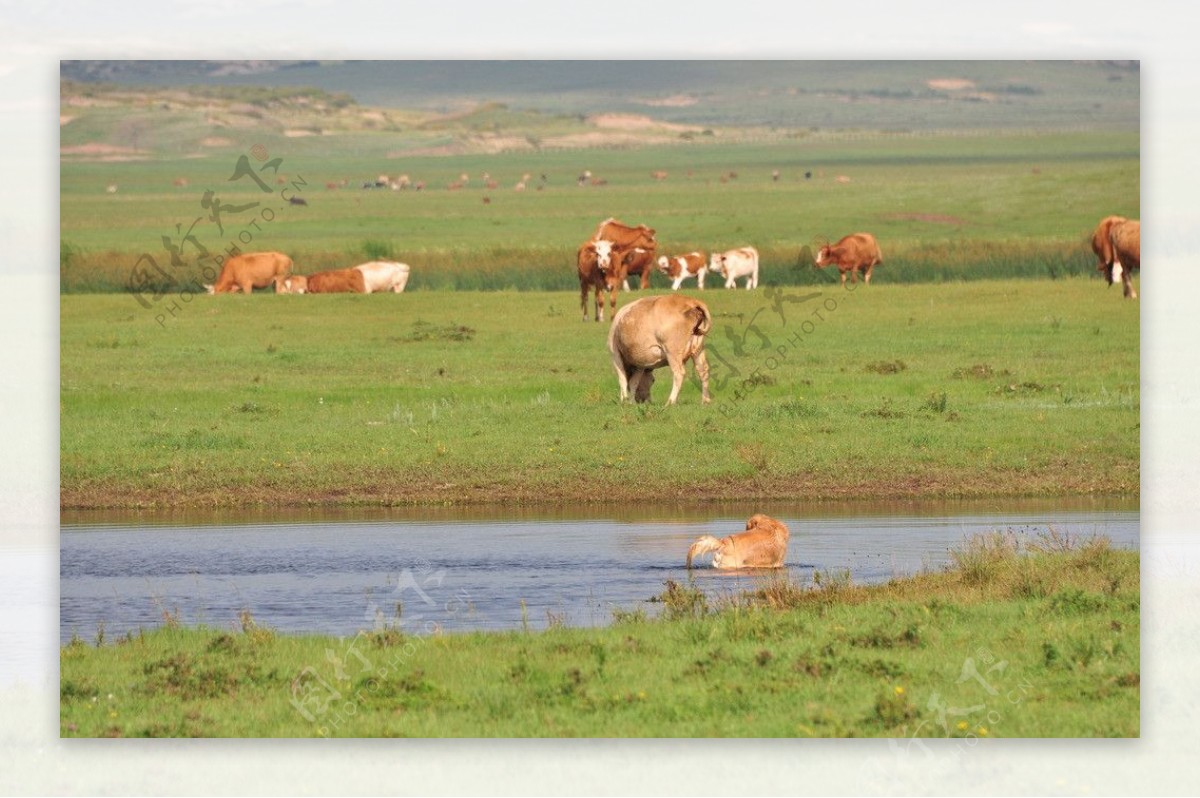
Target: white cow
x=735 y=263
x=384 y=275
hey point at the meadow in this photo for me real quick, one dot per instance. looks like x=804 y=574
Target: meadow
x=1021 y=638
x=984 y=388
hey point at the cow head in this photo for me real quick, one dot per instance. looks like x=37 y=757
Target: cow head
x=210 y=289
x=717 y=263
x=664 y=264
x=603 y=254
x=824 y=255
x=295 y=284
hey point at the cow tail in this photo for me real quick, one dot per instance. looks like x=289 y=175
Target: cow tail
x=703 y=320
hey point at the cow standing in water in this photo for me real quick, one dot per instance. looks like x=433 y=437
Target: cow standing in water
x=762 y=545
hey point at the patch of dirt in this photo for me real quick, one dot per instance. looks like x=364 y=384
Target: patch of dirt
x=950 y=84
x=216 y=141
x=674 y=101
x=295 y=134
x=96 y=148
x=635 y=122
x=64 y=119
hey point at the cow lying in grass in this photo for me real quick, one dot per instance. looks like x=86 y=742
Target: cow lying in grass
x=762 y=545
x=384 y=275
x=337 y=281
x=658 y=331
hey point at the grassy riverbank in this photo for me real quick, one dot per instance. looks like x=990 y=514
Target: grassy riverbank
x=914 y=391
x=1040 y=643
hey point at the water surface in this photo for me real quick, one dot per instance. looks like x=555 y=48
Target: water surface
x=458 y=569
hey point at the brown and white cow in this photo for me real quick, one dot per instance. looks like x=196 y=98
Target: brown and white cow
x=656 y=331
x=681 y=267
x=762 y=545
x=337 y=281
x=592 y=277
x=854 y=253
x=294 y=284
x=1113 y=264
x=384 y=275
x=251 y=270
x=735 y=263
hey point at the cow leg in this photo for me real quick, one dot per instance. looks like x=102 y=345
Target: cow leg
x=583 y=298
x=677 y=376
x=1127 y=282
x=599 y=305
x=867 y=276
x=676 y=283
x=612 y=300
x=645 y=278
x=843 y=279
x=625 y=285
x=700 y=279
x=640 y=385
x=700 y=363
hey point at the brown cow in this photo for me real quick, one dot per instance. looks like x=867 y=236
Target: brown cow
x=762 y=545
x=854 y=253
x=681 y=267
x=656 y=331
x=623 y=236
x=637 y=261
x=1117 y=243
x=252 y=270
x=337 y=281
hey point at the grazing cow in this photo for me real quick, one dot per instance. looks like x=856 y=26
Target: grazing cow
x=735 y=263
x=297 y=201
x=1118 y=265
x=180 y=182
x=762 y=545
x=656 y=331
x=638 y=261
x=681 y=267
x=854 y=253
x=252 y=270
x=337 y=281
x=383 y=275
x=659 y=175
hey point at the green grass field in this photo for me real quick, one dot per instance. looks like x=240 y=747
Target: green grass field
x=953 y=390
x=1008 y=644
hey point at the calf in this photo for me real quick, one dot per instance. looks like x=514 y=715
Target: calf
x=592 y=276
x=657 y=331
x=735 y=263
x=854 y=253
x=338 y=281
x=252 y=270
x=681 y=267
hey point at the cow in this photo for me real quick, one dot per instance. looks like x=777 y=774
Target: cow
x=1112 y=265
x=384 y=275
x=735 y=263
x=681 y=267
x=295 y=284
x=853 y=253
x=623 y=236
x=656 y=331
x=762 y=545
x=594 y=277
x=637 y=261
x=252 y=270
x=337 y=281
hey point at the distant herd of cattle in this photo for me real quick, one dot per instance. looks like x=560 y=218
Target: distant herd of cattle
x=654 y=331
